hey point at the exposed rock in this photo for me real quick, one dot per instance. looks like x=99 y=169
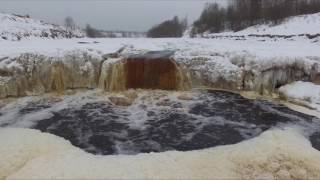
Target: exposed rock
x=211 y=71
x=283 y=174
x=316 y=79
x=164 y=102
x=269 y=80
x=37 y=74
x=120 y=101
x=131 y=94
x=110 y=55
x=185 y=97
x=315 y=74
x=246 y=72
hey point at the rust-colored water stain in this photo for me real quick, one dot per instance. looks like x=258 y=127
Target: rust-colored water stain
x=155 y=73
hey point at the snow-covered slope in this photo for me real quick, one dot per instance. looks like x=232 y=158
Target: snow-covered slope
x=15 y=27
x=304 y=24
x=297 y=25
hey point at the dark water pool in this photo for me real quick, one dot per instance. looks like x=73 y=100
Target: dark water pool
x=158 y=124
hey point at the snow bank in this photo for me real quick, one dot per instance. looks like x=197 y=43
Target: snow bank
x=305 y=93
x=15 y=27
x=281 y=154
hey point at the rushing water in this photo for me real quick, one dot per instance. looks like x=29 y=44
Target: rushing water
x=156 y=121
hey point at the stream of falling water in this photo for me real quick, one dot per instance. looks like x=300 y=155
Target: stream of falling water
x=154 y=120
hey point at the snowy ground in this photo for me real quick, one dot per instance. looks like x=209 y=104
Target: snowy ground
x=267 y=49
x=282 y=152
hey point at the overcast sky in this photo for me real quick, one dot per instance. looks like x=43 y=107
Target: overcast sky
x=135 y=15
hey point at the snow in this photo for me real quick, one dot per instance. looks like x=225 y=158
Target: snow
x=269 y=49
x=14 y=27
x=250 y=63
x=306 y=93
x=296 y=25
x=274 y=154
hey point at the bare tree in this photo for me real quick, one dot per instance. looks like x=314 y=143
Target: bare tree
x=170 y=28
x=240 y=14
x=69 y=23
x=92 y=32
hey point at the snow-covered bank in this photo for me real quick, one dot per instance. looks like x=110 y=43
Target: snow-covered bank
x=281 y=154
x=304 y=93
x=296 y=25
x=16 y=27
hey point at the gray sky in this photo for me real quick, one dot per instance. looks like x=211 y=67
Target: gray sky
x=136 y=15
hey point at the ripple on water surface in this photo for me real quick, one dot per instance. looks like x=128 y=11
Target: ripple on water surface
x=156 y=121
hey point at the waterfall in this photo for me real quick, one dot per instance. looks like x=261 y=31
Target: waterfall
x=37 y=74
x=146 y=71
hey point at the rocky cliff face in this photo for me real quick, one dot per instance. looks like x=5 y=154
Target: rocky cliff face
x=38 y=74
x=250 y=73
x=34 y=74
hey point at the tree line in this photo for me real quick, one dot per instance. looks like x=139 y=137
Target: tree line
x=240 y=14
x=237 y=15
x=92 y=32
x=170 y=28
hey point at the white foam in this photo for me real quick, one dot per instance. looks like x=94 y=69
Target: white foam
x=26 y=153
x=12 y=116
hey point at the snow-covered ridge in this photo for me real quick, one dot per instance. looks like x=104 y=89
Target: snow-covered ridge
x=15 y=27
x=296 y=25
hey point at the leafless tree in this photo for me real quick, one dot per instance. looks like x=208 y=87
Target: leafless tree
x=170 y=28
x=69 y=23
x=92 y=32
x=243 y=13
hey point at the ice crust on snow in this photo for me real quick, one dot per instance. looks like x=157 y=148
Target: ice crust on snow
x=274 y=154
